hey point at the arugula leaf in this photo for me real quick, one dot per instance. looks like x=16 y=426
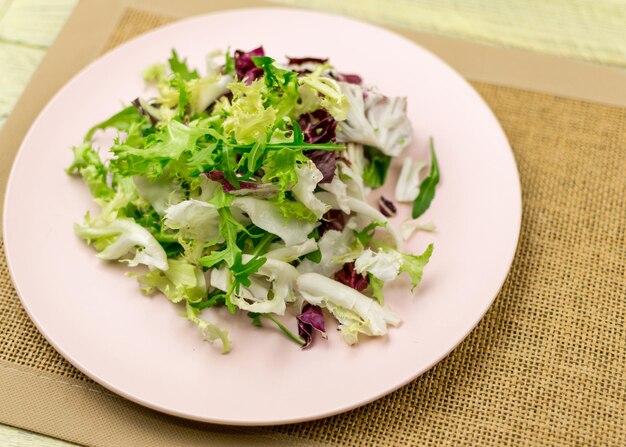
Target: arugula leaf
x=274 y=77
x=256 y=319
x=366 y=234
x=314 y=256
x=298 y=136
x=214 y=258
x=261 y=247
x=214 y=299
x=427 y=188
x=375 y=172
x=229 y=228
x=230 y=166
x=122 y=121
x=256 y=154
x=179 y=67
x=202 y=160
x=242 y=271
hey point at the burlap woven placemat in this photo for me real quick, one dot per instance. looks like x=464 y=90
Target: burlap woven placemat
x=547 y=364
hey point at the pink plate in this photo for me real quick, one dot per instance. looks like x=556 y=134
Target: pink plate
x=141 y=349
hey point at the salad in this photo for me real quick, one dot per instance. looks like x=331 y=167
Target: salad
x=246 y=187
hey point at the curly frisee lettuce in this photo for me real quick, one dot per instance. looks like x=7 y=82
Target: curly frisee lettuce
x=245 y=187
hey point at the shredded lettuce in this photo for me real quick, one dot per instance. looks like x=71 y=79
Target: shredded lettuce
x=407 y=187
x=181 y=281
x=88 y=165
x=356 y=312
x=289 y=253
x=308 y=177
x=249 y=120
x=375 y=120
x=210 y=331
x=268 y=216
x=384 y=265
x=409 y=227
x=118 y=238
x=195 y=219
x=334 y=246
x=330 y=93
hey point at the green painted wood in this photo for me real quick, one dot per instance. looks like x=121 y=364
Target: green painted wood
x=34 y=23
x=590 y=30
x=14 y=437
x=18 y=64
x=27 y=29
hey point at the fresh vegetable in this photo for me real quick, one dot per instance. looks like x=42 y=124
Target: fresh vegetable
x=247 y=187
x=427 y=187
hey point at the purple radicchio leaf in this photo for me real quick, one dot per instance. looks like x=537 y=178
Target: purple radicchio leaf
x=317 y=127
x=218 y=176
x=305 y=60
x=332 y=220
x=345 y=77
x=310 y=319
x=348 y=276
x=325 y=161
x=245 y=68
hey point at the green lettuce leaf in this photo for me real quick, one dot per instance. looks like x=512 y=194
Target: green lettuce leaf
x=181 y=281
x=376 y=288
x=269 y=216
x=151 y=160
x=88 y=165
x=115 y=240
x=179 y=67
x=249 y=120
x=282 y=86
x=195 y=219
x=122 y=121
x=308 y=176
x=355 y=312
x=414 y=265
x=329 y=93
x=210 y=331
